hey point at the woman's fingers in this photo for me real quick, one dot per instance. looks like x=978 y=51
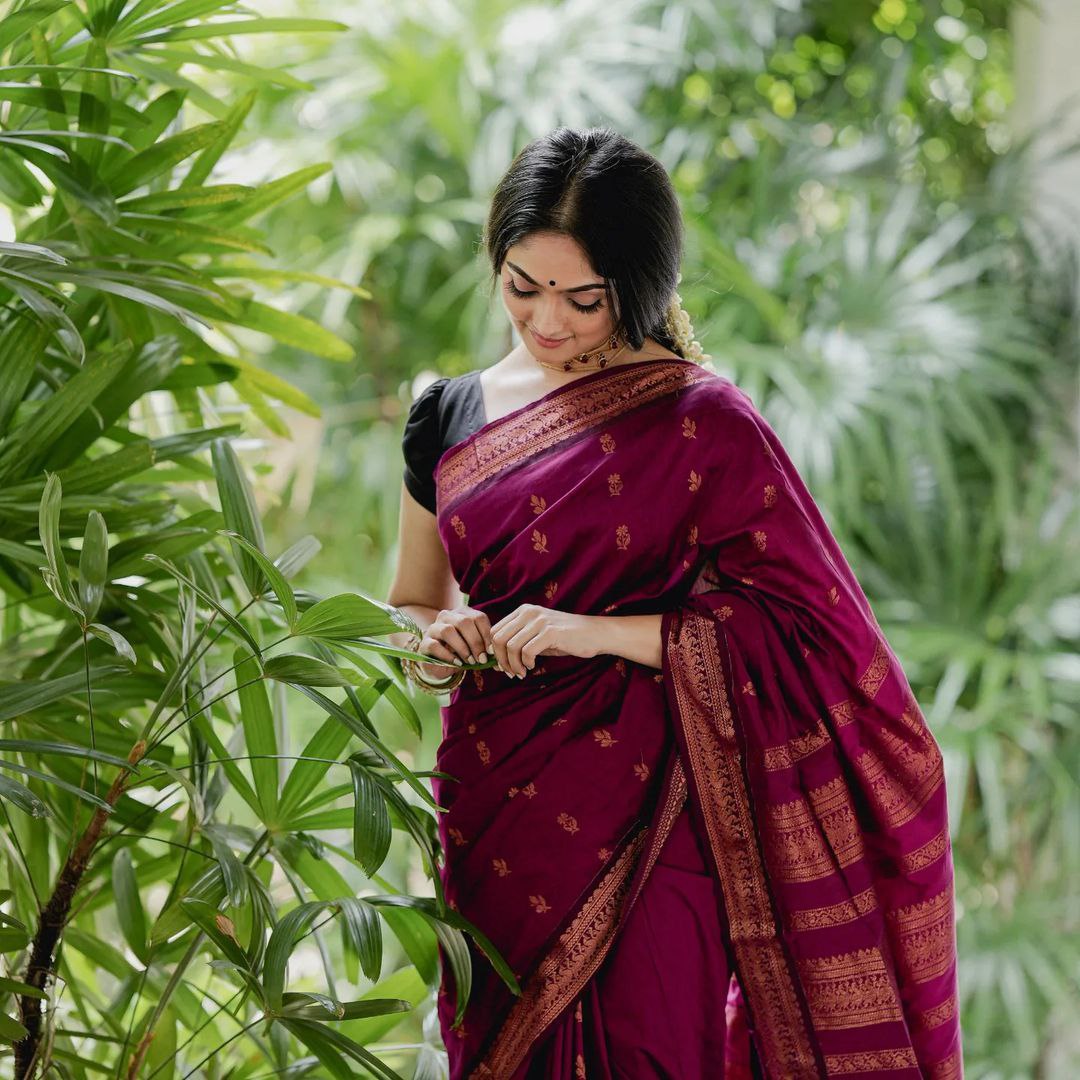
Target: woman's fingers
x=458 y=647
x=433 y=647
x=500 y=640
x=473 y=636
x=513 y=651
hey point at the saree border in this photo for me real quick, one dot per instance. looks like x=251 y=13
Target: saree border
x=584 y=943
x=526 y=432
x=704 y=713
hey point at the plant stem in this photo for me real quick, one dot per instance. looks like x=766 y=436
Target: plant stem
x=40 y=967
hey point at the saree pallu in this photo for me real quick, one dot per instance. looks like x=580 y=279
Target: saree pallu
x=780 y=721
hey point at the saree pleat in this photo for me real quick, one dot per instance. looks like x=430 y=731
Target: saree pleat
x=814 y=920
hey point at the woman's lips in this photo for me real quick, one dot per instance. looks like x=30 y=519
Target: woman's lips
x=548 y=343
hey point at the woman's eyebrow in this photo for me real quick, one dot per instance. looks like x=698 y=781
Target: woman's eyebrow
x=576 y=288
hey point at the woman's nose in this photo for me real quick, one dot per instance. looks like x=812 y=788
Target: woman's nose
x=548 y=317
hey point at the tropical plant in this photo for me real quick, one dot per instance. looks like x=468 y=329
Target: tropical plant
x=163 y=805
x=865 y=258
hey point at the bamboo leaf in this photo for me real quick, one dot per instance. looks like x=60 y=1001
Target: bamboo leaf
x=308 y=671
x=59 y=578
x=94 y=564
x=349 y=616
x=274 y=576
x=280 y=947
x=21 y=796
x=240 y=511
x=361 y=934
x=260 y=737
x=17 y=699
x=371 y=820
x=201 y=31
x=33 y=438
x=129 y=909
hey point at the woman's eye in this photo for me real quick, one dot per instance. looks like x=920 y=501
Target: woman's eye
x=515 y=290
x=586 y=308
x=582 y=307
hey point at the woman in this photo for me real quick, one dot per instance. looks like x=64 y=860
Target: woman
x=695 y=804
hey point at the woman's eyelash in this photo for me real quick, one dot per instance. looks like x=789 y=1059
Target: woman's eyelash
x=511 y=287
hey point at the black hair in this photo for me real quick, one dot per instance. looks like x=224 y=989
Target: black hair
x=612 y=197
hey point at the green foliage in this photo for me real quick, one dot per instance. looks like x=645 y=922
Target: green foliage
x=164 y=844
x=863 y=257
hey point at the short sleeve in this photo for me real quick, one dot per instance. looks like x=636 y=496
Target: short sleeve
x=421 y=444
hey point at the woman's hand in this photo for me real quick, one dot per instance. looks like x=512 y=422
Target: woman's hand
x=461 y=634
x=530 y=631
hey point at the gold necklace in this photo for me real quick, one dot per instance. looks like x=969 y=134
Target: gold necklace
x=600 y=352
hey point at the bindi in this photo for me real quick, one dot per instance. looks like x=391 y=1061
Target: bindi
x=551 y=282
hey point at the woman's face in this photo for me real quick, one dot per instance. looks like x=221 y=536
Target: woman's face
x=552 y=294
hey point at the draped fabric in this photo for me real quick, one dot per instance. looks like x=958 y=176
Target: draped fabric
x=780 y=730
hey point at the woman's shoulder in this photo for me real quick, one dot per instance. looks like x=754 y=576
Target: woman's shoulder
x=718 y=391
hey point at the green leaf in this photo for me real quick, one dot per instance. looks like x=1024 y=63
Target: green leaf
x=47 y=778
x=14 y=986
x=21 y=796
x=114 y=638
x=282 y=589
x=240 y=511
x=28 y=443
x=219 y=928
x=58 y=578
x=361 y=934
x=259 y=735
x=184 y=198
x=129 y=909
x=371 y=820
x=449 y=917
x=209 y=887
x=59 y=749
x=349 y=616
x=301 y=1007
x=93 y=564
x=232 y=869
x=328 y=742
x=282 y=941
x=276 y=273
x=11 y=1030
x=294 y=558
x=221 y=28
x=160 y=158
x=232 y=119
x=291 y=329
x=227 y=615
x=308 y=671
x=328 y=1045
x=19 y=698
x=364 y=733
x=275 y=192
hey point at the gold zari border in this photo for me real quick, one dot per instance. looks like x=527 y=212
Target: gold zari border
x=871 y=1061
x=847 y=910
x=715 y=761
x=925 y=934
x=809 y=840
x=575 y=409
x=850 y=990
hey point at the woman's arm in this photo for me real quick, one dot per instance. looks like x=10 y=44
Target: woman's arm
x=635 y=637
x=423 y=583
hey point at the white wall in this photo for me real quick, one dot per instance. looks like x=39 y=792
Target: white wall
x=1047 y=42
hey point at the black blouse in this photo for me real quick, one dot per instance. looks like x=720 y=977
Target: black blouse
x=445 y=412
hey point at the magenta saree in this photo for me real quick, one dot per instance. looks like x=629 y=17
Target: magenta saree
x=736 y=865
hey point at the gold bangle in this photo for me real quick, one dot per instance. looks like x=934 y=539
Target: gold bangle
x=412 y=671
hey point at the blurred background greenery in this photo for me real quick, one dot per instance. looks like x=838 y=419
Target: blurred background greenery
x=880 y=251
